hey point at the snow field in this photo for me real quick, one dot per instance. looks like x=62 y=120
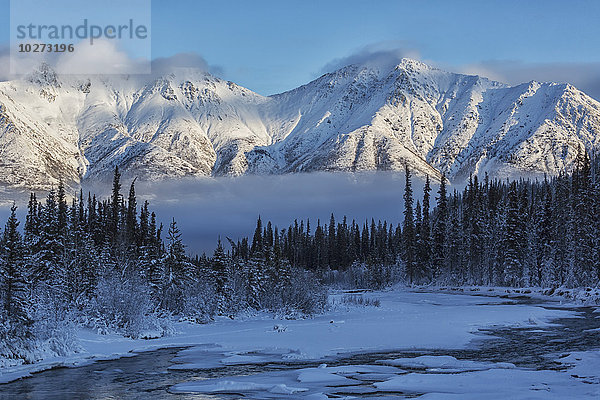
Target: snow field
x=404 y=320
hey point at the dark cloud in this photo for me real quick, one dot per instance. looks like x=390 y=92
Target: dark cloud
x=384 y=54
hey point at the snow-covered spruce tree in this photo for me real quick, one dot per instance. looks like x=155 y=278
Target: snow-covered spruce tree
x=271 y=295
x=354 y=251
x=255 y=269
x=533 y=247
x=485 y=231
x=332 y=250
x=544 y=227
x=13 y=282
x=343 y=243
x=219 y=265
x=408 y=229
x=320 y=248
x=440 y=228
x=455 y=259
x=62 y=212
x=582 y=203
x=419 y=245
x=131 y=223
x=512 y=241
x=80 y=256
x=562 y=231
x=32 y=223
x=282 y=266
x=178 y=270
x=150 y=259
x=114 y=215
x=86 y=266
x=425 y=233
x=472 y=231
x=365 y=243
x=596 y=217
x=526 y=231
x=47 y=263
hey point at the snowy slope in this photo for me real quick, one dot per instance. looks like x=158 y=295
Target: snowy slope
x=361 y=117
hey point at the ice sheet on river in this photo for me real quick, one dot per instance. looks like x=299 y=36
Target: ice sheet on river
x=404 y=320
x=445 y=364
x=490 y=381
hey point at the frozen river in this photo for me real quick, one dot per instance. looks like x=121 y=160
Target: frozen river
x=522 y=357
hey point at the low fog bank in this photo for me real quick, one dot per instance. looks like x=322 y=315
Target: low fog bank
x=206 y=208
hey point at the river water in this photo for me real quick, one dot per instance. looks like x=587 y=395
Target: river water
x=147 y=375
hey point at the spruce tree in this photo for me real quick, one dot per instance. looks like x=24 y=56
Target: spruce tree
x=32 y=222
x=562 y=231
x=455 y=257
x=332 y=251
x=582 y=203
x=320 y=253
x=115 y=208
x=425 y=233
x=178 y=274
x=512 y=260
x=131 y=226
x=440 y=227
x=47 y=263
x=545 y=223
x=257 y=249
x=408 y=228
x=62 y=211
x=219 y=267
x=151 y=263
x=365 y=242
x=176 y=261
x=14 y=285
x=419 y=246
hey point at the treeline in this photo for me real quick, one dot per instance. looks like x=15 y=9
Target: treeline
x=333 y=246
x=109 y=265
x=514 y=233
x=340 y=253
x=494 y=232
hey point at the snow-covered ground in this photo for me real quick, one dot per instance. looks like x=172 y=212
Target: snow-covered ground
x=405 y=320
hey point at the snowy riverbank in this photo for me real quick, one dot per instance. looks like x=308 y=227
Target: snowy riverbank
x=564 y=296
x=404 y=320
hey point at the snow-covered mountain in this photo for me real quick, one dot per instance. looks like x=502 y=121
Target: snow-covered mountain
x=360 y=117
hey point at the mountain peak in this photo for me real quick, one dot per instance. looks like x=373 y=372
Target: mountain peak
x=44 y=76
x=412 y=64
x=365 y=116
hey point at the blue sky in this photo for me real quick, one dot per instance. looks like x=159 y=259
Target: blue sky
x=271 y=46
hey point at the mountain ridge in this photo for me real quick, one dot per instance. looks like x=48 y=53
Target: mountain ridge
x=358 y=118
